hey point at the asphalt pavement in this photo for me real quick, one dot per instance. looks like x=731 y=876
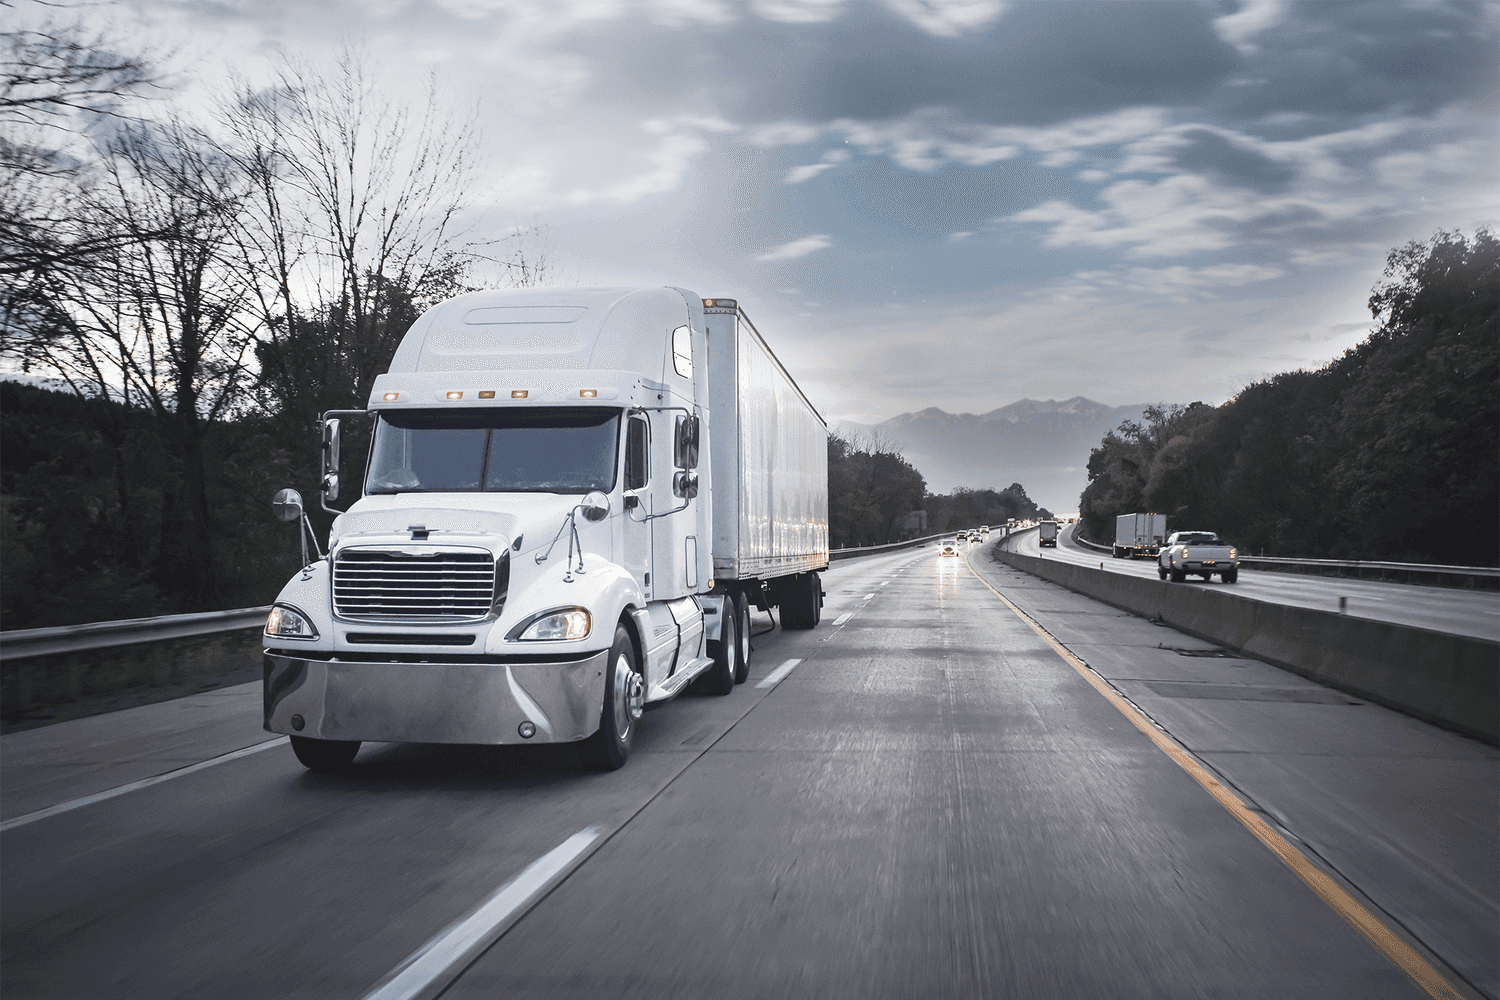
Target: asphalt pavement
x=921 y=797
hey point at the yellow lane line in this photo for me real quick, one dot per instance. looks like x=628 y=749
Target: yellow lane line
x=1402 y=955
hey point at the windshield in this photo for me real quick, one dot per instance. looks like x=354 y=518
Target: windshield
x=553 y=450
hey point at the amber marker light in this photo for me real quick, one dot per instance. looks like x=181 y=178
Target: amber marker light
x=487 y=394
x=588 y=393
x=391 y=397
x=455 y=394
x=518 y=394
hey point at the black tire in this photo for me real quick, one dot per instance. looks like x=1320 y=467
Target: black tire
x=1179 y=576
x=624 y=699
x=325 y=756
x=1161 y=571
x=1230 y=575
x=802 y=606
x=816 y=583
x=741 y=605
x=719 y=679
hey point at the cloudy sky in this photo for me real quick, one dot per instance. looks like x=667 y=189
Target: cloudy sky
x=952 y=203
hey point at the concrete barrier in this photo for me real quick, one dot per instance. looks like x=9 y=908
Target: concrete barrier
x=1450 y=680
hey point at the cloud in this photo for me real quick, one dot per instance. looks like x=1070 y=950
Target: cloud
x=1179 y=283
x=831 y=159
x=798 y=248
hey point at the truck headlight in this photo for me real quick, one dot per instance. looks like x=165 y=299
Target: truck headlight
x=1233 y=552
x=1184 y=553
x=289 y=623
x=562 y=625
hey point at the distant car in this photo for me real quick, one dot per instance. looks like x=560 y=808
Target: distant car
x=949 y=547
x=1201 y=553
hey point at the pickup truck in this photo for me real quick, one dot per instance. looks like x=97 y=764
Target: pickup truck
x=1199 y=552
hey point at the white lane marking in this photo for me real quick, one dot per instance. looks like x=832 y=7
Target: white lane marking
x=882 y=586
x=435 y=957
x=842 y=618
x=868 y=596
x=775 y=676
x=134 y=786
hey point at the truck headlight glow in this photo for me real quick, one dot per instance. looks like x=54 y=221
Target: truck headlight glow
x=562 y=625
x=1184 y=553
x=1234 y=553
x=288 y=623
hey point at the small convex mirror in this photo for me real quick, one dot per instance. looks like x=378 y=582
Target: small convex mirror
x=287 y=504
x=685 y=485
x=595 y=506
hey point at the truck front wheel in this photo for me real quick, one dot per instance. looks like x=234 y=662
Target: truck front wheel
x=624 y=700
x=1179 y=575
x=1161 y=571
x=1230 y=575
x=324 y=756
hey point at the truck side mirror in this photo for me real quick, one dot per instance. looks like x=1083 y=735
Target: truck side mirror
x=685 y=443
x=288 y=505
x=595 y=506
x=331 y=486
x=330 y=446
x=685 y=485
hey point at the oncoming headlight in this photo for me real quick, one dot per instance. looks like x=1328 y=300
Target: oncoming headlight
x=562 y=625
x=288 y=623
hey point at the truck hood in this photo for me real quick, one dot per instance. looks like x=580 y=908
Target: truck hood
x=495 y=520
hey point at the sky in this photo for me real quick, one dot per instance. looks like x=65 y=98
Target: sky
x=950 y=203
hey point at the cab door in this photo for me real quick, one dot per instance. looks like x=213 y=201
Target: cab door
x=638 y=522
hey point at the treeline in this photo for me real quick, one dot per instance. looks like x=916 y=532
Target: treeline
x=873 y=491
x=207 y=286
x=1391 y=452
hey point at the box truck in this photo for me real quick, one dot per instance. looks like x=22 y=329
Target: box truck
x=571 y=500
x=1139 y=534
x=1046 y=534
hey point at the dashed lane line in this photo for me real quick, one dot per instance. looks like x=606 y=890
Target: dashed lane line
x=471 y=935
x=135 y=786
x=775 y=676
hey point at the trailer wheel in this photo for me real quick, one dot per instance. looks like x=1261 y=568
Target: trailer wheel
x=726 y=654
x=741 y=605
x=324 y=756
x=624 y=700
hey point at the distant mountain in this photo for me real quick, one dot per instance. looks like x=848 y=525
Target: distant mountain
x=1041 y=444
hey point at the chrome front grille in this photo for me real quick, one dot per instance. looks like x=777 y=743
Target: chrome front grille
x=381 y=584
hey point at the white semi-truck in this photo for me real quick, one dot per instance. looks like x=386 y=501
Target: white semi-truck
x=1139 y=535
x=571 y=500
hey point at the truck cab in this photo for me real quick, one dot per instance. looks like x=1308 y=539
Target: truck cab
x=530 y=557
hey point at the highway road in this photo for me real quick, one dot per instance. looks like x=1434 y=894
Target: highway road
x=1454 y=610
x=925 y=796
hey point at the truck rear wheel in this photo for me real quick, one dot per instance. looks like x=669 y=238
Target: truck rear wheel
x=741 y=605
x=1230 y=575
x=726 y=653
x=324 y=756
x=624 y=700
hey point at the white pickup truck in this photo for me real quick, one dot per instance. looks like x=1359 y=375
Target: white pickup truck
x=1200 y=552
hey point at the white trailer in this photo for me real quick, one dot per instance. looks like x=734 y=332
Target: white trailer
x=1139 y=534
x=571 y=499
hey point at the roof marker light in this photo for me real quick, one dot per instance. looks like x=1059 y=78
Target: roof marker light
x=518 y=394
x=487 y=394
x=455 y=394
x=391 y=397
x=588 y=393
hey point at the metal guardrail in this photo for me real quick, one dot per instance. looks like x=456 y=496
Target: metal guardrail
x=867 y=550
x=24 y=643
x=1353 y=564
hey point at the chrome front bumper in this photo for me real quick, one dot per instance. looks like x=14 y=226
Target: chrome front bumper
x=434 y=702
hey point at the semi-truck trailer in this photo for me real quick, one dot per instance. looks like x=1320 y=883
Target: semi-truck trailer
x=1139 y=534
x=571 y=500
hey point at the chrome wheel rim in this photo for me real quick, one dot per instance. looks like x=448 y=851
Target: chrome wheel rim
x=630 y=697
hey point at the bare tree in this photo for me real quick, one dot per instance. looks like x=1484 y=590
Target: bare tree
x=160 y=321
x=353 y=227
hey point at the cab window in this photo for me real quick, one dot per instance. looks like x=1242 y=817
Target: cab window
x=637 y=454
